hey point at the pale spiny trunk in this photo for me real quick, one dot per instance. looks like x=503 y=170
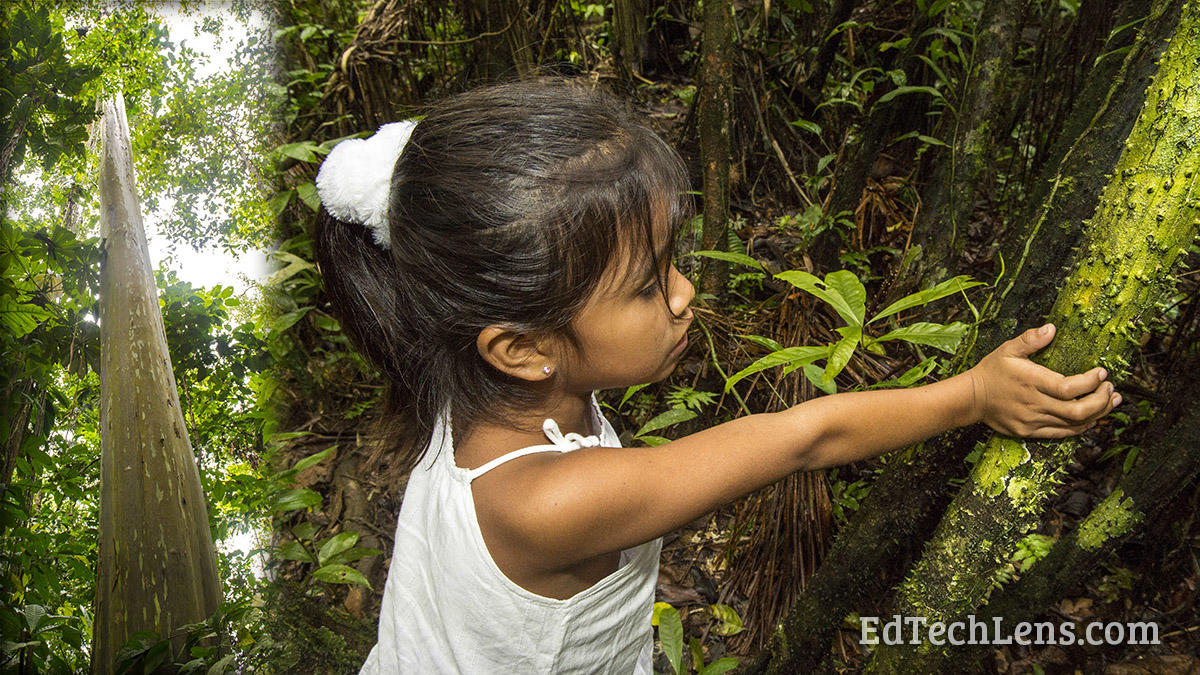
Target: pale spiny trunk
x=158 y=566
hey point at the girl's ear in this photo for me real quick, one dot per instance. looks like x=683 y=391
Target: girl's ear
x=517 y=354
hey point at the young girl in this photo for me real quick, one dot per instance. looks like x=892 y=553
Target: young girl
x=501 y=260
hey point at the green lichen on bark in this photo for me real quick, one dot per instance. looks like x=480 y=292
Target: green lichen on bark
x=1146 y=216
x=998 y=461
x=1111 y=518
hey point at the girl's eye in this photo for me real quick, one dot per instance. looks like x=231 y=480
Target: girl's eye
x=649 y=290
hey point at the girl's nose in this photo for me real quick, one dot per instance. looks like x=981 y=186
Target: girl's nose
x=682 y=291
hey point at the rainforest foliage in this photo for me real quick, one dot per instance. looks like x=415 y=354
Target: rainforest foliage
x=885 y=191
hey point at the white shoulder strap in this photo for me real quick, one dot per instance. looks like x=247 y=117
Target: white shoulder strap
x=559 y=443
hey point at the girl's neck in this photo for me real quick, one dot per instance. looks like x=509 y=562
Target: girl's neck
x=485 y=441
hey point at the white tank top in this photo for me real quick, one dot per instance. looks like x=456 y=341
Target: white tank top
x=447 y=607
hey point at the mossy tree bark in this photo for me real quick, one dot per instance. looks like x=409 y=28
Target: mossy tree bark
x=715 y=109
x=941 y=228
x=1170 y=463
x=158 y=567
x=894 y=518
x=1148 y=213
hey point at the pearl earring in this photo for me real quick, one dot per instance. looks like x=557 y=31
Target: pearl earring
x=546 y=369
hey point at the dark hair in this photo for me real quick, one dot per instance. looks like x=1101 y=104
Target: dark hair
x=506 y=206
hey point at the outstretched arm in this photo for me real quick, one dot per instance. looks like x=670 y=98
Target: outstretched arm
x=592 y=501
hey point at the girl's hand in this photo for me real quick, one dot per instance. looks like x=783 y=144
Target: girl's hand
x=1018 y=397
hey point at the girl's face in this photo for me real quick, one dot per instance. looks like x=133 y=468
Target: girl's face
x=628 y=333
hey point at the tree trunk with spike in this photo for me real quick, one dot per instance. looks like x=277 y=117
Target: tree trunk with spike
x=158 y=566
x=1146 y=217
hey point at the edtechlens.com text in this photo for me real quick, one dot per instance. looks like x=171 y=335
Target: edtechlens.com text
x=917 y=629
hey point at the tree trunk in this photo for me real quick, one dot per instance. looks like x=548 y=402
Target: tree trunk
x=1145 y=219
x=158 y=567
x=892 y=521
x=715 y=104
x=629 y=26
x=1169 y=465
x=941 y=228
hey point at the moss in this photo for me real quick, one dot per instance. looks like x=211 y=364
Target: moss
x=1111 y=518
x=1000 y=457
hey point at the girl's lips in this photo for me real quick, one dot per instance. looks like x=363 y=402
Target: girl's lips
x=680 y=346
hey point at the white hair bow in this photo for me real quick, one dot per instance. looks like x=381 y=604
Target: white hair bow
x=355 y=178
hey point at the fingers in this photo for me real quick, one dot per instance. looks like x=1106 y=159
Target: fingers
x=1069 y=388
x=1085 y=410
x=1031 y=340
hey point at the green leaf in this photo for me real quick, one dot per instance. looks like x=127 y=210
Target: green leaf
x=783 y=357
x=763 y=342
x=816 y=375
x=296 y=498
x=335 y=545
x=293 y=550
x=949 y=287
x=721 y=665
x=908 y=89
x=811 y=127
x=811 y=284
x=630 y=392
x=304 y=530
x=670 y=633
x=940 y=336
x=20 y=318
x=308 y=194
x=846 y=284
x=731 y=622
x=303 y=151
x=840 y=353
x=286 y=321
x=354 y=553
x=340 y=574
x=666 y=419
x=730 y=256
x=654 y=441
x=315 y=458
x=280 y=202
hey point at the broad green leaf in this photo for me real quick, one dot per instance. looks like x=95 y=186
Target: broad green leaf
x=847 y=285
x=730 y=256
x=312 y=459
x=666 y=419
x=670 y=633
x=280 y=202
x=340 y=574
x=302 y=151
x=807 y=282
x=286 y=321
x=908 y=89
x=293 y=550
x=916 y=373
x=940 y=336
x=308 y=194
x=335 y=545
x=816 y=375
x=840 y=353
x=20 y=318
x=304 y=530
x=721 y=665
x=948 y=287
x=296 y=498
x=352 y=554
x=783 y=357
x=654 y=441
x=731 y=622
x=763 y=342
x=811 y=127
